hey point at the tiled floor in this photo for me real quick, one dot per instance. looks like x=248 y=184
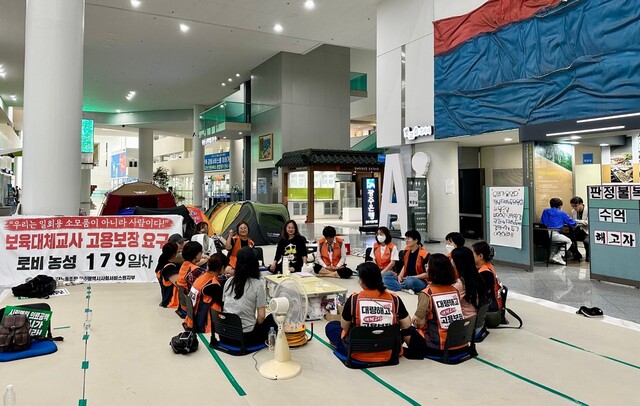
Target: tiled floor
x=569 y=285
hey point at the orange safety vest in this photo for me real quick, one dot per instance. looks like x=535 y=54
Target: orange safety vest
x=420 y=261
x=382 y=260
x=370 y=308
x=202 y=303
x=324 y=251
x=236 y=247
x=488 y=267
x=167 y=284
x=445 y=309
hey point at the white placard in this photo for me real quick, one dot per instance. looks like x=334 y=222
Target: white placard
x=506 y=205
x=96 y=249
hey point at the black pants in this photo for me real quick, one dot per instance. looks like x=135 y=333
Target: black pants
x=578 y=234
x=344 y=272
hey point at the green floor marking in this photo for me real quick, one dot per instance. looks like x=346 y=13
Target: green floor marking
x=534 y=383
x=374 y=376
x=223 y=367
x=595 y=353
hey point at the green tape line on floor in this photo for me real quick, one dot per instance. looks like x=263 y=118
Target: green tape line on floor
x=82 y=402
x=85 y=337
x=223 y=367
x=85 y=364
x=595 y=353
x=532 y=382
x=61 y=327
x=372 y=375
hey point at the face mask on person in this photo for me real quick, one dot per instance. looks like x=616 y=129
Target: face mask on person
x=381 y=238
x=449 y=248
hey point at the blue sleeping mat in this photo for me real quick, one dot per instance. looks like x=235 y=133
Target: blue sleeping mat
x=38 y=347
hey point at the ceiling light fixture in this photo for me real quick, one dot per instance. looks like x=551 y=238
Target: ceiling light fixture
x=589 y=120
x=135 y=3
x=278 y=28
x=184 y=28
x=573 y=142
x=118 y=111
x=591 y=130
x=604 y=145
x=508 y=139
x=130 y=95
x=13 y=97
x=240 y=132
x=237 y=75
x=223 y=84
x=3 y=73
x=575 y=137
x=230 y=80
x=309 y=4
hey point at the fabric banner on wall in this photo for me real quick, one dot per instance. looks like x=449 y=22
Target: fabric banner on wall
x=506 y=207
x=97 y=249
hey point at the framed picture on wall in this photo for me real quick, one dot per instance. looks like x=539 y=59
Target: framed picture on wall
x=265 y=147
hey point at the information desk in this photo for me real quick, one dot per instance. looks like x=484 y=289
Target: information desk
x=315 y=288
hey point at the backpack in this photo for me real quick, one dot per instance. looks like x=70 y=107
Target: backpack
x=40 y=286
x=495 y=319
x=14 y=333
x=184 y=343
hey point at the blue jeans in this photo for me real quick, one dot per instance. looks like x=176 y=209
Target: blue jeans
x=390 y=280
x=333 y=330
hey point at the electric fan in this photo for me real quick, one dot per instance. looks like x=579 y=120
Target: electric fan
x=289 y=306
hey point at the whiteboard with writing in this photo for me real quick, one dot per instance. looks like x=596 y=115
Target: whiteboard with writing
x=506 y=205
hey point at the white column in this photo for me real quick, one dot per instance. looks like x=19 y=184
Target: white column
x=85 y=189
x=17 y=166
x=54 y=33
x=236 y=148
x=198 y=159
x=145 y=154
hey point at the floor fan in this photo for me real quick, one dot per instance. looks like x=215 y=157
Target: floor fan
x=289 y=308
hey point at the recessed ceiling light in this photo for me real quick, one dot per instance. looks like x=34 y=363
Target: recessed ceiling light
x=604 y=145
x=573 y=142
x=3 y=73
x=240 y=132
x=237 y=75
x=184 y=27
x=230 y=80
x=309 y=4
x=224 y=138
x=13 y=97
x=131 y=95
x=223 y=84
x=252 y=76
x=508 y=139
x=575 y=137
x=135 y=3
x=591 y=130
x=118 y=111
x=277 y=28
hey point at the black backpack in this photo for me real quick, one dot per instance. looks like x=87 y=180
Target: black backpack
x=184 y=343
x=40 y=286
x=498 y=318
x=14 y=333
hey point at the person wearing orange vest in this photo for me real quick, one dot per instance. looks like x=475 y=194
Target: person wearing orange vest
x=412 y=277
x=384 y=253
x=190 y=270
x=483 y=254
x=438 y=305
x=167 y=275
x=235 y=242
x=374 y=306
x=470 y=286
x=206 y=293
x=333 y=254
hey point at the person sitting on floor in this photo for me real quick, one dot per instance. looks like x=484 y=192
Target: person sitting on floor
x=202 y=236
x=333 y=255
x=412 y=277
x=190 y=270
x=437 y=299
x=384 y=253
x=483 y=254
x=245 y=294
x=167 y=275
x=554 y=219
x=291 y=245
x=374 y=295
x=234 y=243
x=180 y=240
x=206 y=293
x=453 y=240
x=470 y=286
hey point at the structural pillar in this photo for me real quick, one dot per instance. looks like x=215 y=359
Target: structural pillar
x=54 y=35
x=198 y=159
x=145 y=154
x=85 y=189
x=235 y=163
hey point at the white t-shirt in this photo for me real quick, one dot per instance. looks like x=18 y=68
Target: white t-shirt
x=255 y=295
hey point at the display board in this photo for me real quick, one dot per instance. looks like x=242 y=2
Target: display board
x=614 y=229
x=417 y=205
x=507 y=200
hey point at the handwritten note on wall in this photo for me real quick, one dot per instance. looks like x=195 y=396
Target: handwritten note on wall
x=506 y=206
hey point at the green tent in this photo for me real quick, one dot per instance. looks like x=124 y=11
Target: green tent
x=266 y=221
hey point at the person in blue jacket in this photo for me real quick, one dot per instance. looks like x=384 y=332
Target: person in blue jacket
x=554 y=218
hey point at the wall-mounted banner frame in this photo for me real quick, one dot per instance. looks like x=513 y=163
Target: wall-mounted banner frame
x=506 y=207
x=370 y=202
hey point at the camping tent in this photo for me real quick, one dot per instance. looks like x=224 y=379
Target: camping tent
x=142 y=194
x=198 y=216
x=265 y=220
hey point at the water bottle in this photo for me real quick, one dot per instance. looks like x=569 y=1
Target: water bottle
x=285 y=266
x=271 y=340
x=9 y=396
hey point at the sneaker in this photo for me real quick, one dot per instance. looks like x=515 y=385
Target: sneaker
x=557 y=259
x=591 y=312
x=409 y=291
x=581 y=309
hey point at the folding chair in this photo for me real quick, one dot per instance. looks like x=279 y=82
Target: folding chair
x=367 y=254
x=481 y=331
x=186 y=300
x=229 y=326
x=181 y=311
x=370 y=340
x=460 y=333
x=542 y=238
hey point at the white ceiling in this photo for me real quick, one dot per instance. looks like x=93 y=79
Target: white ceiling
x=143 y=49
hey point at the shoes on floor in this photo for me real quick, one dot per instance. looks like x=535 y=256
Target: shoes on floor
x=577 y=256
x=557 y=259
x=590 y=311
x=409 y=291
